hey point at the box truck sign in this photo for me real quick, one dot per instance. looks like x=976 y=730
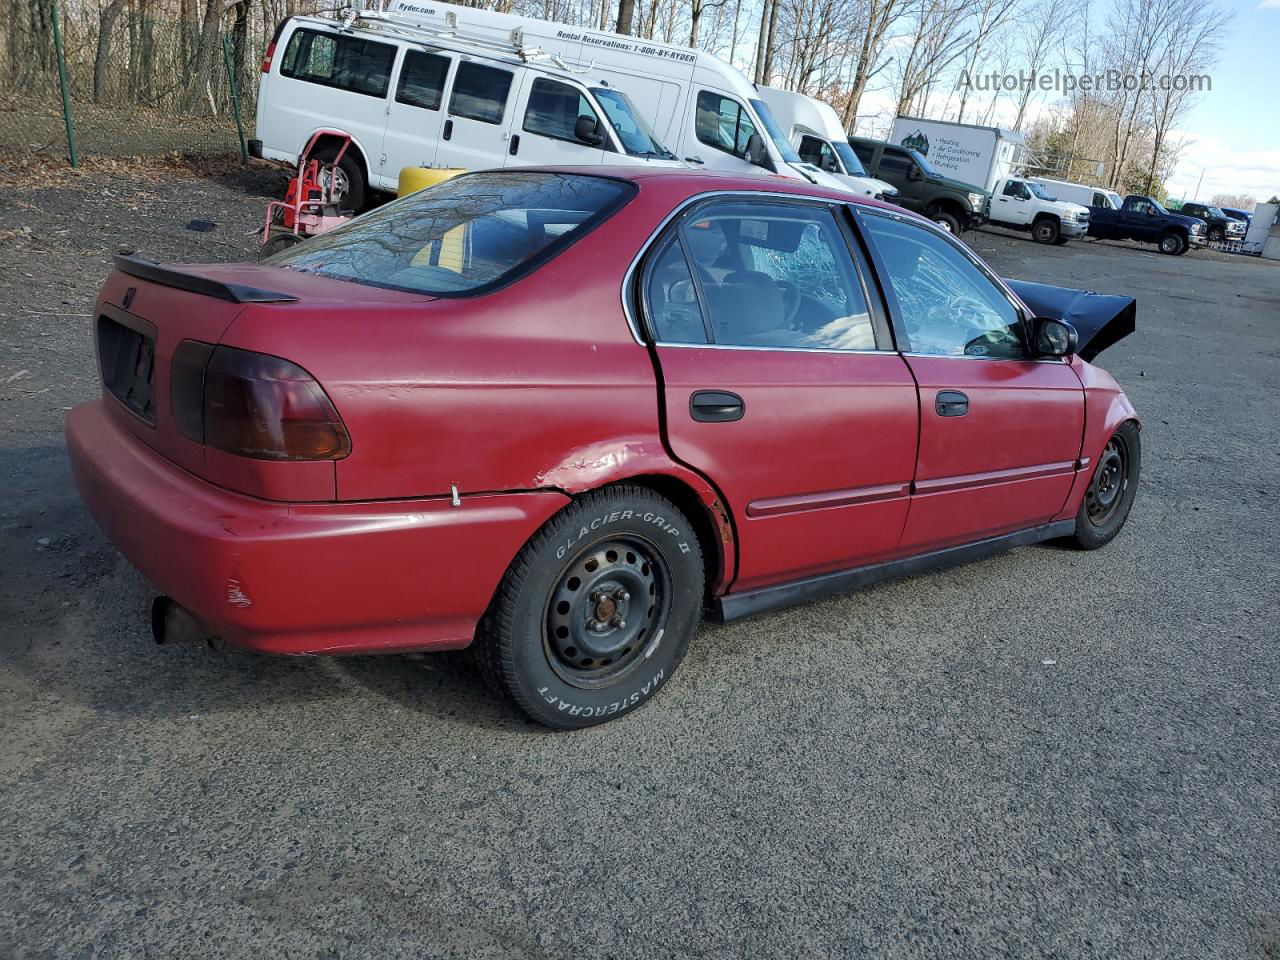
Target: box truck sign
x=964 y=154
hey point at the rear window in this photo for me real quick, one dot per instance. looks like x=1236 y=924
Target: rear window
x=347 y=63
x=464 y=236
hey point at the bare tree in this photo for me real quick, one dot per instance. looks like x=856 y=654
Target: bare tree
x=937 y=43
x=990 y=18
x=1236 y=201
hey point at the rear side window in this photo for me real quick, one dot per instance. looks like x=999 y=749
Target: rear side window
x=554 y=109
x=480 y=92
x=422 y=80
x=463 y=236
x=347 y=63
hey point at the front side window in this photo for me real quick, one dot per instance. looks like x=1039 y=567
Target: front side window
x=723 y=123
x=1012 y=188
x=777 y=275
x=554 y=109
x=637 y=137
x=896 y=162
x=463 y=235
x=818 y=152
x=480 y=92
x=422 y=80
x=346 y=63
x=1142 y=206
x=947 y=306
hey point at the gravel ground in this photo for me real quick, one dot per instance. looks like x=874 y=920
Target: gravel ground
x=1045 y=754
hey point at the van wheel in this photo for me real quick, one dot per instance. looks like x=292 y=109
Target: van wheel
x=281 y=241
x=1109 y=498
x=349 y=182
x=1045 y=231
x=1173 y=244
x=596 y=612
x=947 y=221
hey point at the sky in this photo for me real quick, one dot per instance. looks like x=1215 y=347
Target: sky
x=1233 y=130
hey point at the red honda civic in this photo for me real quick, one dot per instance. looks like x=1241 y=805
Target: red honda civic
x=559 y=414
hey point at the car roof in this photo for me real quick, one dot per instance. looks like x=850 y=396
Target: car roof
x=690 y=183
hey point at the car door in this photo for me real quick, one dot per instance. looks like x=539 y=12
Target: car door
x=415 y=117
x=895 y=167
x=1137 y=220
x=1000 y=431
x=1010 y=204
x=780 y=383
x=475 y=129
x=547 y=112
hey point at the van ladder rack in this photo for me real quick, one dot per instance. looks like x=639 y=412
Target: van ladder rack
x=410 y=29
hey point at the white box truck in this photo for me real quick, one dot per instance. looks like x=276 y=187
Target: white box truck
x=983 y=156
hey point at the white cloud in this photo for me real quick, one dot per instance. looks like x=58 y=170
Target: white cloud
x=1269 y=5
x=1227 y=168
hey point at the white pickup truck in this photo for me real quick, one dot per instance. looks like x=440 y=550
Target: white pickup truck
x=1024 y=205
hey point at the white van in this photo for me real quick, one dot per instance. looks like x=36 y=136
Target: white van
x=814 y=129
x=1079 y=193
x=432 y=84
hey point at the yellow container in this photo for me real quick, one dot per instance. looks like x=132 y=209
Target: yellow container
x=413 y=179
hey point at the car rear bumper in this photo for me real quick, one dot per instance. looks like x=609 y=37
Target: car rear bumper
x=314 y=578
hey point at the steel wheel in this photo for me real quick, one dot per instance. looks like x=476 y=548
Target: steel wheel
x=607 y=611
x=1106 y=490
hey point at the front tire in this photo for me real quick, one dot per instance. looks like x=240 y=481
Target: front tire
x=947 y=221
x=1217 y=234
x=1045 y=231
x=596 y=611
x=1112 y=487
x=1173 y=244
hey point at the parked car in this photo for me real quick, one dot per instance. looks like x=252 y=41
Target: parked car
x=1244 y=216
x=558 y=413
x=952 y=205
x=1024 y=205
x=814 y=129
x=1092 y=197
x=461 y=87
x=1220 y=226
x=1144 y=219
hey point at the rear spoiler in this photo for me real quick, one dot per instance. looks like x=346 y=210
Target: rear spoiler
x=171 y=277
x=1100 y=319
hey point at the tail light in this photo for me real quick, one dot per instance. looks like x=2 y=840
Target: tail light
x=253 y=405
x=266 y=57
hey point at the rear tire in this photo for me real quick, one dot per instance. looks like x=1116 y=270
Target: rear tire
x=1173 y=244
x=351 y=184
x=1045 y=231
x=596 y=611
x=1112 y=487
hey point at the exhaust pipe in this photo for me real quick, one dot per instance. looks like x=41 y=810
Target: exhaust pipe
x=173 y=623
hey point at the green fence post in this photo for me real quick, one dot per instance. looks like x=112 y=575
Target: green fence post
x=235 y=97
x=62 y=83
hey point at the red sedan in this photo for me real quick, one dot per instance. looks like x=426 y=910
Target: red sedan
x=559 y=414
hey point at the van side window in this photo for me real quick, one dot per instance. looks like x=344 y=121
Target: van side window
x=722 y=123
x=480 y=92
x=1100 y=201
x=554 y=109
x=347 y=63
x=819 y=153
x=422 y=80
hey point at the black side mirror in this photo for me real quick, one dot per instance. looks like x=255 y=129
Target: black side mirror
x=1054 y=338
x=755 y=152
x=587 y=130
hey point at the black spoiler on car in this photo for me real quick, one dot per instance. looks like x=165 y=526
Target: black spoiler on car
x=1100 y=319
x=170 y=277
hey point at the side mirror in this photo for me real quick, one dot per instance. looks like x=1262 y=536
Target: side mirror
x=915 y=173
x=587 y=130
x=1054 y=338
x=755 y=152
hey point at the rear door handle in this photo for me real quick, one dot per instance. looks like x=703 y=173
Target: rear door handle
x=716 y=406
x=951 y=403
x=448 y=129
x=515 y=145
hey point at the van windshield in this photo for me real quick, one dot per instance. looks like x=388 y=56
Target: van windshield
x=779 y=139
x=852 y=165
x=461 y=236
x=633 y=130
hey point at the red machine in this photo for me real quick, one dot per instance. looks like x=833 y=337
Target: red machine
x=311 y=202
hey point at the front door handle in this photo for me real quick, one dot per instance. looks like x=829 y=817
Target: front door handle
x=716 y=406
x=515 y=145
x=951 y=403
x=448 y=129
x=698 y=160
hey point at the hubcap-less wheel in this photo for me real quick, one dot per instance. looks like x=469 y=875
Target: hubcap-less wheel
x=341 y=185
x=1106 y=491
x=607 y=611
x=944 y=224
